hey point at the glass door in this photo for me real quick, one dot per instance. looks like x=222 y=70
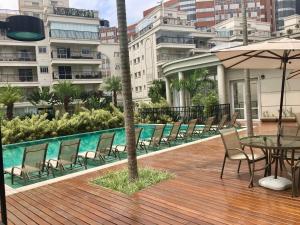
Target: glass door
x=238 y=98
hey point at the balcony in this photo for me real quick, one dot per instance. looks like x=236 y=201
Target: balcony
x=175 y=42
x=74 y=35
x=18 y=57
x=62 y=11
x=164 y=57
x=21 y=78
x=77 y=76
x=75 y=55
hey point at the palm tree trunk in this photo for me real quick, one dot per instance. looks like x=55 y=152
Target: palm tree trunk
x=115 y=100
x=127 y=94
x=66 y=104
x=10 y=111
x=247 y=76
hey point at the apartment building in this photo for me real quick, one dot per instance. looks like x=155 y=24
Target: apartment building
x=231 y=30
x=163 y=35
x=71 y=50
x=211 y=12
x=285 y=8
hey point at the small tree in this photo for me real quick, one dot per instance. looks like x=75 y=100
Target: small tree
x=65 y=92
x=157 y=91
x=9 y=96
x=114 y=85
x=41 y=96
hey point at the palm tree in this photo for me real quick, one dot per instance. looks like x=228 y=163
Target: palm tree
x=114 y=85
x=41 y=96
x=127 y=94
x=157 y=91
x=247 y=75
x=8 y=96
x=65 y=92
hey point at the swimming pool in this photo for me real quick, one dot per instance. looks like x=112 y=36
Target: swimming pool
x=13 y=154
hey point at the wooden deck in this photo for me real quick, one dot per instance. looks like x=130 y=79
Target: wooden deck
x=195 y=196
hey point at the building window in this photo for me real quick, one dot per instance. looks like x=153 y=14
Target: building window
x=44 y=69
x=86 y=51
x=42 y=50
x=136 y=89
x=117 y=67
x=116 y=54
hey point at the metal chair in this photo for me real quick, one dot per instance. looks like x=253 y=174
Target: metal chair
x=234 y=151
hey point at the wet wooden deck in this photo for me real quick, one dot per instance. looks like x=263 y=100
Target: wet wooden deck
x=195 y=196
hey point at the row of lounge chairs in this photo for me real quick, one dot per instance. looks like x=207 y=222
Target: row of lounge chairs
x=34 y=162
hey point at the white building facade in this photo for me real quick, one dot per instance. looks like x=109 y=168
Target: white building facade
x=162 y=36
x=71 y=51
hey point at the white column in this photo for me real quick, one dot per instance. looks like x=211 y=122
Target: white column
x=181 y=92
x=221 y=84
x=168 y=91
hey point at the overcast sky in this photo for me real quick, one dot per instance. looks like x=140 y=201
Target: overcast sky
x=107 y=8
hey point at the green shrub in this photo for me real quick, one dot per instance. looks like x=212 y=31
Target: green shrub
x=39 y=127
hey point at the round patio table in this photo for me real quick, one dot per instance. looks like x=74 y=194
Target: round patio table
x=274 y=147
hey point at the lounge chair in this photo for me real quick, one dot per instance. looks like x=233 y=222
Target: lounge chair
x=33 y=163
x=103 y=150
x=189 y=132
x=233 y=122
x=173 y=134
x=67 y=156
x=123 y=148
x=222 y=123
x=155 y=140
x=207 y=129
x=235 y=152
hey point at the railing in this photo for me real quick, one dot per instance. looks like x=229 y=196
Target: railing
x=175 y=21
x=75 y=55
x=170 y=57
x=18 y=56
x=74 y=35
x=77 y=76
x=185 y=113
x=7 y=78
x=175 y=40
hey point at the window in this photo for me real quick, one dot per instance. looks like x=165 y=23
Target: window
x=44 y=69
x=42 y=50
x=35 y=4
x=116 y=54
x=86 y=51
x=136 y=89
x=117 y=67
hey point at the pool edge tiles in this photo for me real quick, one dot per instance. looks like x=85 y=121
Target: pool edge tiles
x=12 y=191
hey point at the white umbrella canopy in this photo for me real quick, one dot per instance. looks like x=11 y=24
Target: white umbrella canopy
x=269 y=54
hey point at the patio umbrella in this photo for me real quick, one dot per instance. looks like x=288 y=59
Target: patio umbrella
x=281 y=54
x=272 y=54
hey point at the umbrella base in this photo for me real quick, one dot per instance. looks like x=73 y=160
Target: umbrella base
x=278 y=184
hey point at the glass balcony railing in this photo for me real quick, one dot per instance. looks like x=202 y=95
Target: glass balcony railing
x=69 y=54
x=171 y=57
x=18 y=56
x=77 y=75
x=74 y=35
x=175 y=40
x=12 y=78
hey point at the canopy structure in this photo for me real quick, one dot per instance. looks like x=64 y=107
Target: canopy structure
x=264 y=55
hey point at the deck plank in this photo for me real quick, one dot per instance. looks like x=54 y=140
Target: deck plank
x=195 y=196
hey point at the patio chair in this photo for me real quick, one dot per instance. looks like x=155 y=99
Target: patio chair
x=234 y=151
x=233 y=122
x=123 y=148
x=221 y=124
x=67 y=156
x=173 y=134
x=206 y=129
x=33 y=163
x=155 y=140
x=189 y=132
x=103 y=150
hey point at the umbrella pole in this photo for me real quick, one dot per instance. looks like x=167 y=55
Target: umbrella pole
x=285 y=60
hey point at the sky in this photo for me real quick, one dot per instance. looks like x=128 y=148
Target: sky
x=107 y=8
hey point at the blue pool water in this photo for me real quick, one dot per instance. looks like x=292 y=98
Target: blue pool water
x=13 y=154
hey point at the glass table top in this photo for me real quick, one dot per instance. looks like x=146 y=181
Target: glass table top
x=272 y=142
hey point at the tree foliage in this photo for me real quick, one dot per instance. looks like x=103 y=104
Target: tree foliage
x=113 y=84
x=8 y=97
x=157 y=91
